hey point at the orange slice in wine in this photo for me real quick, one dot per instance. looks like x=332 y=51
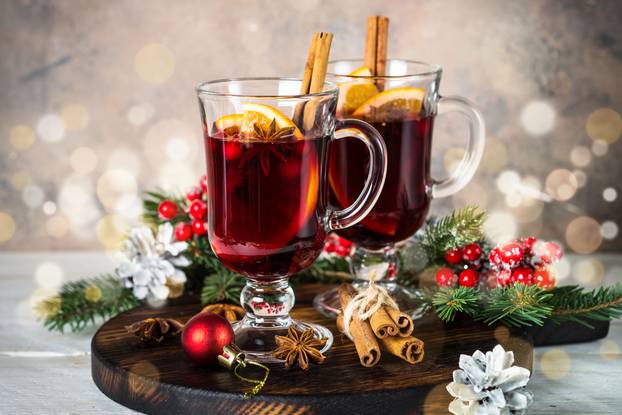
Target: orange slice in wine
x=230 y=124
x=270 y=113
x=392 y=104
x=355 y=92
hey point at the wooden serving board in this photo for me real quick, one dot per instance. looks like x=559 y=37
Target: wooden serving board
x=159 y=379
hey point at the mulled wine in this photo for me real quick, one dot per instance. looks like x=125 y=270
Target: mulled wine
x=403 y=204
x=266 y=204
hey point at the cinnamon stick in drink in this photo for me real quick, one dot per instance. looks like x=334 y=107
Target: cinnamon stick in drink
x=376 y=45
x=363 y=337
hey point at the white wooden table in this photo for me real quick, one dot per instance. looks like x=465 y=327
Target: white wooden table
x=49 y=373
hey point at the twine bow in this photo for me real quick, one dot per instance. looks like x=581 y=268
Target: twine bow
x=366 y=303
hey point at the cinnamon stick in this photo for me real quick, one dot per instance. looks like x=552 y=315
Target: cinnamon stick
x=383 y=324
x=363 y=337
x=376 y=45
x=314 y=78
x=410 y=349
x=403 y=321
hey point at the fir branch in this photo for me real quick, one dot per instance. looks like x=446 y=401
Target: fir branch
x=450 y=301
x=517 y=305
x=326 y=269
x=575 y=304
x=80 y=303
x=224 y=286
x=459 y=228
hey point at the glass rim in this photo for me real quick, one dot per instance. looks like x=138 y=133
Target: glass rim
x=201 y=88
x=431 y=69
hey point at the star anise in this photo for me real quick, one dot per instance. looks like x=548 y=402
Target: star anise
x=231 y=312
x=155 y=329
x=299 y=347
x=273 y=133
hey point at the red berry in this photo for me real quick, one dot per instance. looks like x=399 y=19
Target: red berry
x=193 y=194
x=203 y=183
x=511 y=254
x=199 y=227
x=453 y=256
x=468 y=278
x=522 y=275
x=547 y=252
x=471 y=252
x=329 y=246
x=503 y=277
x=342 y=250
x=392 y=270
x=544 y=278
x=233 y=150
x=527 y=244
x=344 y=242
x=445 y=277
x=494 y=256
x=183 y=231
x=198 y=209
x=167 y=210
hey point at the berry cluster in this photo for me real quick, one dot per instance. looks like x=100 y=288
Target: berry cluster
x=525 y=261
x=337 y=245
x=194 y=221
x=464 y=265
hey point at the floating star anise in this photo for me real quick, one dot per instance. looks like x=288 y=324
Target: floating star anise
x=231 y=312
x=155 y=329
x=273 y=133
x=299 y=347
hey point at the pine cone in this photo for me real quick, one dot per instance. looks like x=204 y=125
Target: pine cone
x=489 y=385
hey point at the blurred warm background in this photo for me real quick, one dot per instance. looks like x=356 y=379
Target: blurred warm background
x=97 y=104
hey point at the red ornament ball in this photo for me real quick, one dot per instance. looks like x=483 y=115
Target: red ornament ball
x=204 y=337
x=199 y=227
x=522 y=275
x=445 y=277
x=203 y=183
x=453 y=256
x=197 y=209
x=544 y=278
x=468 y=278
x=183 y=231
x=471 y=252
x=167 y=210
x=194 y=194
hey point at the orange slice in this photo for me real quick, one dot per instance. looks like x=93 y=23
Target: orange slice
x=271 y=113
x=355 y=92
x=255 y=114
x=392 y=104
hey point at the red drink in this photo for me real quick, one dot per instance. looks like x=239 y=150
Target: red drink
x=266 y=209
x=403 y=204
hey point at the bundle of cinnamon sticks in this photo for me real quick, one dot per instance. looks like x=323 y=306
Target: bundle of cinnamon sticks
x=388 y=327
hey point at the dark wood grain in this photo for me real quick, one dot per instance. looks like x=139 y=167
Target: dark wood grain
x=159 y=379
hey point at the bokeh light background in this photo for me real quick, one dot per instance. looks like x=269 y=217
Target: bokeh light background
x=97 y=106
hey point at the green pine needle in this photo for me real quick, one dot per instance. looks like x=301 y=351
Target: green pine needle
x=517 y=305
x=459 y=228
x=574 y=304
x=450 y=301
x=80 y=303
x=224 y=286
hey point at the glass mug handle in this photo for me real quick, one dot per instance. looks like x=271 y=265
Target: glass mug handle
x=353 y=214
x=474 y=148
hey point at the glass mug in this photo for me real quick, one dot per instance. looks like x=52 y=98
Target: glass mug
x=402 y=106
x=268 y=212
